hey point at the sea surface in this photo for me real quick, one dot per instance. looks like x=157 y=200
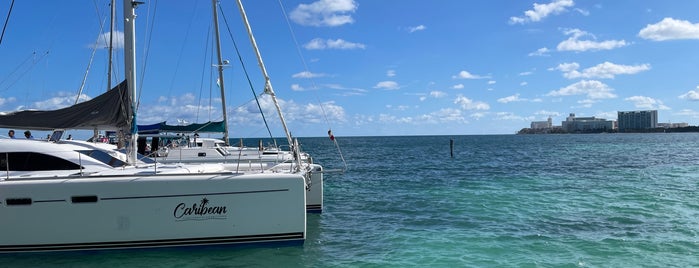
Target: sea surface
x=592 y=200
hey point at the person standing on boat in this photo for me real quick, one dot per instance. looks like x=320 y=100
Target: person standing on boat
x=11 y=133
x=28 y=135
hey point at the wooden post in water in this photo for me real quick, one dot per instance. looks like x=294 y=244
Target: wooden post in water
x=451 y=147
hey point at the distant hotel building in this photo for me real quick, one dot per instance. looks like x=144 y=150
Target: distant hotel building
x=637 y=120
x=542 y=124
x=586 y=124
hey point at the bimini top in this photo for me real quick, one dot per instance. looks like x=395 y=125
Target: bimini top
x=111 y=110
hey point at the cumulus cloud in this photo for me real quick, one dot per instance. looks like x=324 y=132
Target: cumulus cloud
x=469 y=104
x=543 y=52
x=574 y=42
x=324 y=13
x=513 y=98
x=319 y=44
x=591 y=88
x=644 y=102
x=670 y=29
x=438 y=94
x=307 y=74
x=602 y=70
x=541 y=11
x=458 y=86
x=417 y=28
x=692 y=95
x=4 y=101
x=467 y=75
x=388 y=85
x=103 y=41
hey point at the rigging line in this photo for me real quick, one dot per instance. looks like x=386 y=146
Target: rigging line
x=305 y=66
x=17 y=69
x=150 y=20
x=203 y=73
x=7 y=20
x=92 y=55
x=303 y=61
x=247 y=75
x=29 y=69
x=179 y=59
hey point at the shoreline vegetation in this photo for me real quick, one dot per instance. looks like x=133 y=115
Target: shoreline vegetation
x=558 y=130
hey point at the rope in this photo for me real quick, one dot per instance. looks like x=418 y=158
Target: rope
x=305 y=66
x=247 y=76
x=7 y=20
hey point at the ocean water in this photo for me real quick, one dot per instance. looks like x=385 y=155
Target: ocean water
x=597 y=200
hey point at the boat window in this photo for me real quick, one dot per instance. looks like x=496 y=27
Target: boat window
x=29 y=161
x=103 y=157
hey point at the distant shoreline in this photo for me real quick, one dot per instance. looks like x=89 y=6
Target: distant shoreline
x=525 y=131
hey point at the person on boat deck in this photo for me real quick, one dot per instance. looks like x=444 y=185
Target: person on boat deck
x=28 y=134
x=11 y=133
x=70 y=137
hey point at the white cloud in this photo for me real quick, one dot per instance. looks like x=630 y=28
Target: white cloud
x=458 y=86
x=591 y=88
x=103 y=41
x=602 y=70
x=526 y=73
x=492 y=82
x=468 y=104
x=692 y=95
x=644 y=102
x=478 y=116
x=512 y=116
x=574 y=43
x=670 y=29
x=319 y=43
x=388 y=85
x=540 y=52
x=324 y=13
x=523 y=84
x=547 y=113
x=467 y=75
x=417 y=28
x=4 y=101
x=307 y=74
x=542 y=11
x=513 y=98
x=583 y=11
x=438 y=94
x=391 y=73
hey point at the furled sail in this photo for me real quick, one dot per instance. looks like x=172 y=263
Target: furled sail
x=111 y=110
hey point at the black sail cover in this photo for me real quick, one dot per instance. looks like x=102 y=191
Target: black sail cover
x=111 y=110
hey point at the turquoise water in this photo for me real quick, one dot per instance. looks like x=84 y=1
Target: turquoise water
x=598 y=200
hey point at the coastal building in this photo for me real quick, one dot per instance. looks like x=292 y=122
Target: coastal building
x=586 y=124
x=637 y=120
x=542 y=124
x=673 y=125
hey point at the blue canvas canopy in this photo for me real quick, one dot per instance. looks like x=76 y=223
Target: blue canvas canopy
x=211 y=126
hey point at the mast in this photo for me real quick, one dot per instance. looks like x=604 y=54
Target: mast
x=220 y=74
x=130 y=73
x=111 y=43
x=268 y=84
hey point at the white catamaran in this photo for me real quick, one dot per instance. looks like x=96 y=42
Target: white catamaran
x=59 y=195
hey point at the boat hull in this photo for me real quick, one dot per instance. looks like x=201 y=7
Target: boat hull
x=154 y=211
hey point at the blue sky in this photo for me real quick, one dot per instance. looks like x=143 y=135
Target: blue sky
x=371 y=67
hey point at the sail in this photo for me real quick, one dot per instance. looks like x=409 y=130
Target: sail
x=107 y=111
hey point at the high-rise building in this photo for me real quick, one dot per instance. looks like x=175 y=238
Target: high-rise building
x=637 y=120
